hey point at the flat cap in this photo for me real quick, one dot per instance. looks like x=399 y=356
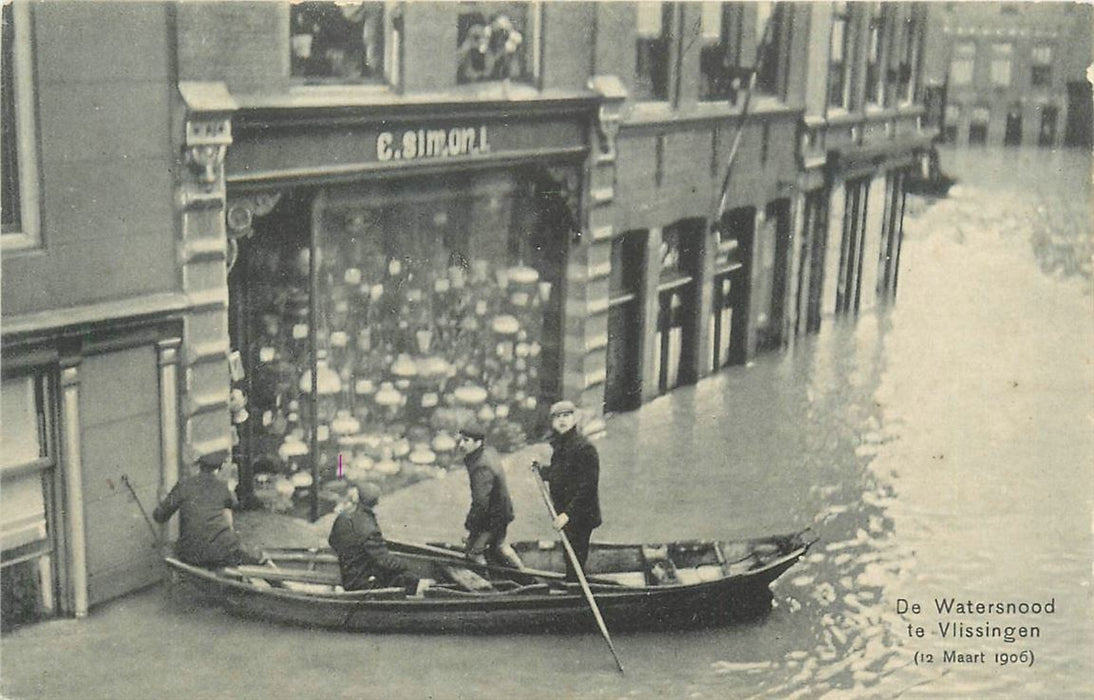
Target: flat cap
x=562 y=407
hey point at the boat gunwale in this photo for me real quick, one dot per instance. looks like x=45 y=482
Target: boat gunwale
x=499 y=599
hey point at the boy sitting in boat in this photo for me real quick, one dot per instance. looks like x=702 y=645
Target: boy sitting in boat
x=363 y=558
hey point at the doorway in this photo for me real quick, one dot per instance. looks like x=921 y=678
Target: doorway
x=624 y=371
x=771 y=281
x=1012 y=136
x=674 y=344
x=1046 y=137
x=1080 y=115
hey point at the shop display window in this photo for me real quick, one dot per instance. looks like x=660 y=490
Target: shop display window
x=337 y=41
x=431 y=301
x=492 y=41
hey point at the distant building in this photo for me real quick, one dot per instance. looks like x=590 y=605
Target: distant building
x=315 y=231
x=1014 y=73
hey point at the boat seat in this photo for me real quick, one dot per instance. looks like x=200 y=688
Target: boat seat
x=330 y=578
x=631 y=579
x=466 y=578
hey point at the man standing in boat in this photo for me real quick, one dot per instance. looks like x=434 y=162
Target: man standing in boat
x=206 y=535
x=574 y=480
x=491 y=507
x=363 y=556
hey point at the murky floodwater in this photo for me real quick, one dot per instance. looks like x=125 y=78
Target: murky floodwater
x=940 y=449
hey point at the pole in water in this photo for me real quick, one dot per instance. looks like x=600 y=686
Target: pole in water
x=577 y=568
x=151 y=526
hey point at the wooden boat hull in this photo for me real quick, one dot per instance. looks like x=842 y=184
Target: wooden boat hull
x=530 y=608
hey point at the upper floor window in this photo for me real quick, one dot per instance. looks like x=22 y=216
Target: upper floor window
x=1000 y=64
x=772 y=25
x=1041 y=66
x=337 y=42
x=725 y=64
x=907 y=73
x=651 y=64
x=723 y=67
x=492 y=41
x=839 y=57
x=18 y=165
x=875 y=93
x=963 y=63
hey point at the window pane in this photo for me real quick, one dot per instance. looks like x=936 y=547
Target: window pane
x=1041 y=55
x=651 y=66
x=21 y=430
x=711 y=22
x=721 y=73
x=9 y=151
x=1000 y=64
x=338 y=41
x=492 y=41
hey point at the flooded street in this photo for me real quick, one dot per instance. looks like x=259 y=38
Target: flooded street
x=940 y=449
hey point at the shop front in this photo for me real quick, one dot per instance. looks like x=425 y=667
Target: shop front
x=381 y=301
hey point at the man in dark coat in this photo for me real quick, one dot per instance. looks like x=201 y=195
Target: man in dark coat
x=574 y=479
x=206 y=537
x=363 y=557
x=491 y=507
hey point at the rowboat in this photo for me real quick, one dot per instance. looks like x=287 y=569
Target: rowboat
x=637 y=586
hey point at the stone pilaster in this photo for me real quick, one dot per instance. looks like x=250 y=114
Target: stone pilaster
x=589 y=264
x=203 y=258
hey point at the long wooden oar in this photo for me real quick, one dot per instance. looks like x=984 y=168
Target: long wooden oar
x=151 y=526
x=577 y=567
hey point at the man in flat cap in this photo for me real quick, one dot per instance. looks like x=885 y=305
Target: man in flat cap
x=206 y=535
x=574 y=480
x=491 y=507
x=363 y=557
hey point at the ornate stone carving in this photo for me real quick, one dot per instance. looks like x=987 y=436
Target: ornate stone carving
x=242 y=210
x=612 y=94
x=209 y=109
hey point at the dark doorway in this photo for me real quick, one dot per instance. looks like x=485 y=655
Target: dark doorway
x=1013 y=134
x=774 y=264
x=732 y=292
x=1080 y=115
x=624 y=370
x=811 y=275
x=1046 y=137
x=674 y=347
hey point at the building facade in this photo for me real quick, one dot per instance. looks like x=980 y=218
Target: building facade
x=1013 y=74
x=325 y=235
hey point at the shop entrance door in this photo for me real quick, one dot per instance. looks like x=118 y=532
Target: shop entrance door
x=1080 y=114
x=732 y=293
x=674 y=344
x=1013 y=134
x=811 y=274
x=120 y=436
x=1047 y=136
x=624 y=371
x=771 y=282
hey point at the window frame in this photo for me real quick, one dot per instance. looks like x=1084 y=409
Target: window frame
x=1040 y=71
x=729 y=46
x=380 y=78
x=668 y=36
x=841 y=12
x=913 y=28
x=26 y=232
x=964 y=57
x=1002 y=54
x=876 y=49
x=531 y=51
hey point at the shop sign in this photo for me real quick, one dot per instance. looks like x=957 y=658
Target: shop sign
x=416 y=144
